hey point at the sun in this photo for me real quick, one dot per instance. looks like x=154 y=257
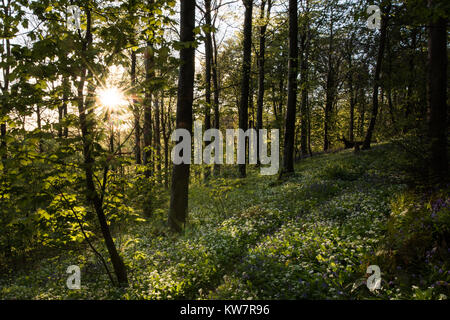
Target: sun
x=111 y=98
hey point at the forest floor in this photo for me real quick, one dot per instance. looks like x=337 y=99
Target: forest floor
x=309 y=236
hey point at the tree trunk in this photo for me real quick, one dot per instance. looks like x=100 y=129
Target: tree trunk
x=5 y=92
x=148 y=101
x=91 y=192
x=158 y=135
x=362 y=112
x=165 y=126
x=149 y=74
x=389 y=86
x=376 y=86
x=208 y=63
x=437 y=86
x=39 y=125
x=289 y=133
x=62 y=110
x=351 y=134
x=330 y=93
x=246 y=69
x=261 y=63
x=309 y=128
x=216 y=97
x=305 y=40
x=180 y=175
x=137 y=127
x=411 y=80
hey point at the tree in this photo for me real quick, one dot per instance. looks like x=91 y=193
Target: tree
x=246 y=68
x=331 y=82
x=149 y=57
x=376 y=85
x=351 y=90
x=289 y=133
x=180 y=174
x=216 y=96
x=157 y=122
x=208 y=64
x=137 y=126
x=437 y=86
x=85 y=124
x=7 y=34
x=304 y=47
x=261 y=62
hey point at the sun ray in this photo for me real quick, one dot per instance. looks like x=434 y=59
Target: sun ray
x=111 y=98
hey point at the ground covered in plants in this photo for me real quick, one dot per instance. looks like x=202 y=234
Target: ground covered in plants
x=309 y=236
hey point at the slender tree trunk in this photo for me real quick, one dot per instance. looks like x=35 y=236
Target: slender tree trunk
x=373 y=119
x=309 y=129
x=391 y=108
x=216 y=97
x=411 y=80
x=328 y=109
x=389 y=85
x=289 y=133
x=66 y=91
x=246 y=69
x=149 y=74
x=39 y=125
x=362 y=113
x=66 y=128
x=281 y=100
x=5 y=93
x=381 y=107
x=148 y=102
x=208 y=63
x=61 y=108
x=351 y=88
x=305 y=40
x=180 y=175
x=158 y=134
x=3 y=145
x=351 y=134
x=437 y=86
x=60 y=117
x=137 y=126
x=330 y=92
x=165 y=126
x=91 y=192
x=251 y=107
x=261 y=64
x=261 y=73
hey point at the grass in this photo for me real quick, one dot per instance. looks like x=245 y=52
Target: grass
x=311 y=236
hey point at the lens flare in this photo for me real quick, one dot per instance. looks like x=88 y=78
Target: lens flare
x=111 y=98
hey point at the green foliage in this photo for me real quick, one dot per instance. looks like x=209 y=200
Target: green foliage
x=415 y=247
x=311 y=237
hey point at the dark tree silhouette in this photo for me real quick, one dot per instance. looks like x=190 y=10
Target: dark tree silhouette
x=289 y=133
x=304 y=66
x=137 y=128
x=180 y=174
x=261 y=63
x=376 y=85
x=246 y=68
x=437 y=86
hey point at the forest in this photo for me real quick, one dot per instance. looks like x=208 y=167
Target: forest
x=337 y=111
